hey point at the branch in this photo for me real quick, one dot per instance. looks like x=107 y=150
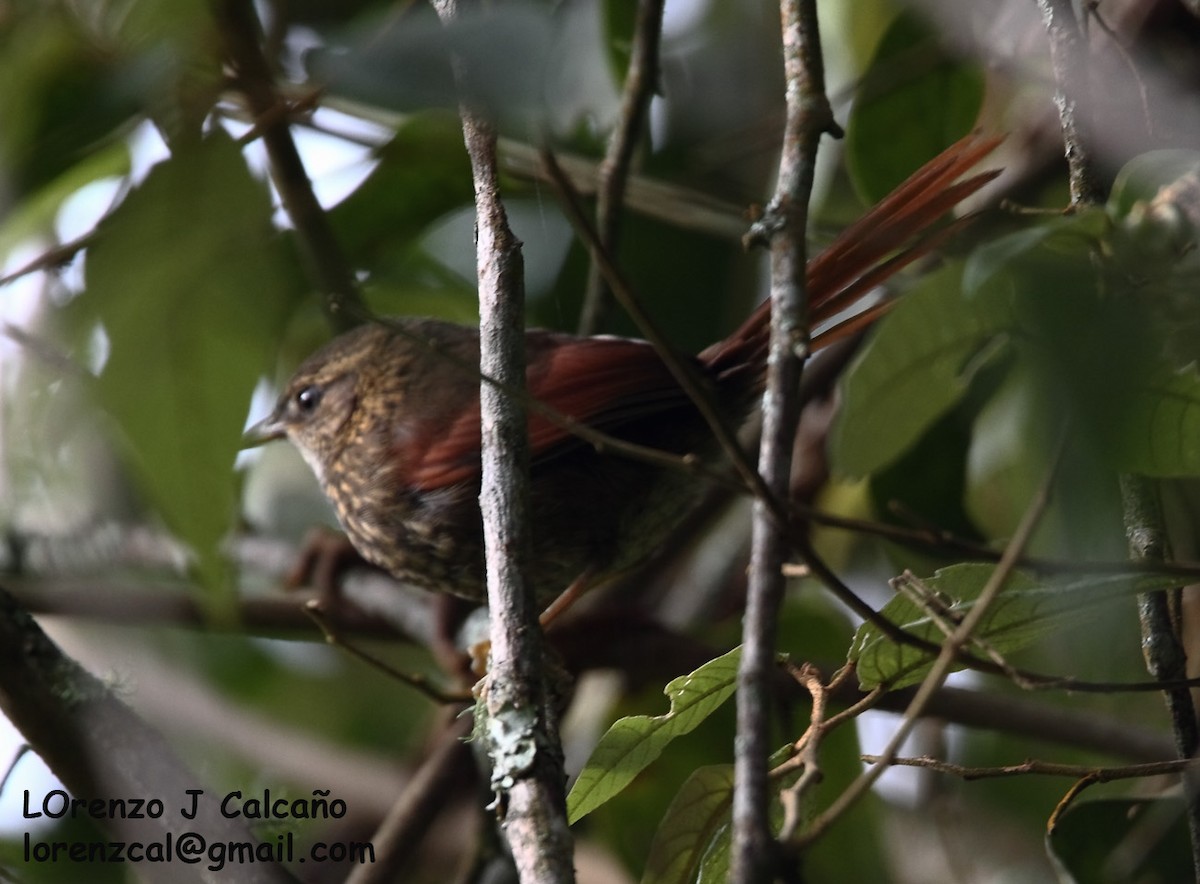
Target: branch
x=1144 y=522
x=1158 y=613
x=808 y=116
x=1045 y=768
x=520 y=731
x=682 y=370
x=99 y=748
x=1069 y=58
x=435 y=781
x=327 y=266
x=640 y=81
x=942 y=665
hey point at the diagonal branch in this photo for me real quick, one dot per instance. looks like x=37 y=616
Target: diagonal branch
x=327 y=266
x=640 y=81
x=99 y=747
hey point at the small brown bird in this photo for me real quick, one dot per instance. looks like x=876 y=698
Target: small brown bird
x=388 y=418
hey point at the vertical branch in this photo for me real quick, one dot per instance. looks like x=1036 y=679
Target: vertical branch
x=1068 y=56
x=1145 y=525
x=326 y=265
x=613 y=174
x=1158 y=612
x=519 y=732
x=786 y=220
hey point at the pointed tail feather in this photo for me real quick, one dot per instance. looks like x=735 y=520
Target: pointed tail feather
x=865 y=254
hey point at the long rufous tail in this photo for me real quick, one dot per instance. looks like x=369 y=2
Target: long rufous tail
x=893 y=234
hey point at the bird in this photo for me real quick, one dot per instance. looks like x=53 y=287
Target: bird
x=387 y=415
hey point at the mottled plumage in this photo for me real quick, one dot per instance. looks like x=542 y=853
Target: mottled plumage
x=387 y=416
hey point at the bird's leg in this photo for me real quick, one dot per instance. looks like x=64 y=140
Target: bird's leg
x=479 y=651
x=325 y=555
x=568 y=597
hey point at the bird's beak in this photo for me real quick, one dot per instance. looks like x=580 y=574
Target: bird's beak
x=266 y=430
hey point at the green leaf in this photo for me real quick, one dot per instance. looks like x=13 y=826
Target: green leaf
x=914 y=369
x=686 y=842
x=1121 y=839
x=1140 y=179
x=35 y=215
x=619 y=19
x=62 y=98
x=1159 y=432
x=1025 y=610
x=186 y=279
x=423 y=173
x=633 y=743
x=1017 y=439
x=916 y=101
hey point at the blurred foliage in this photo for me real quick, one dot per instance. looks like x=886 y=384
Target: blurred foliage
x=150 y=340
x=1147 y=841
x=911 y=77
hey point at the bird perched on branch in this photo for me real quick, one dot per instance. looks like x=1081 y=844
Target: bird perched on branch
x=387 y=416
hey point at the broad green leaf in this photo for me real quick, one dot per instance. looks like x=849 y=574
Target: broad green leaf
x=633 y=743
x=916 y=101
x=1140 y=179
x=1109 y=349
x=1153 y=253
x=695 y=822
x=35 y=215
x=1159 y=431
x=915 y=368
x=62 y=98
x=422 y=174
x=1106 y=840
x=1026 y=610
x=993 y=259
x=1017 y=441
x=186 y=280
x=619 y=19
x=693 y=840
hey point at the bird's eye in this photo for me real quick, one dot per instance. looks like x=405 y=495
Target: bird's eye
x=307 y=399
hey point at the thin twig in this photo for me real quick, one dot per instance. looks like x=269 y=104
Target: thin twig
x=640 y=82
x=416 y=681
x=417 y=807
x=807 y=750
x=941 y=666
x=808 y=116
x=683 y=371
x=1092 y=8
x=1044 y=768
x=1067 y=800
x=915 y=590
x=51 y=259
